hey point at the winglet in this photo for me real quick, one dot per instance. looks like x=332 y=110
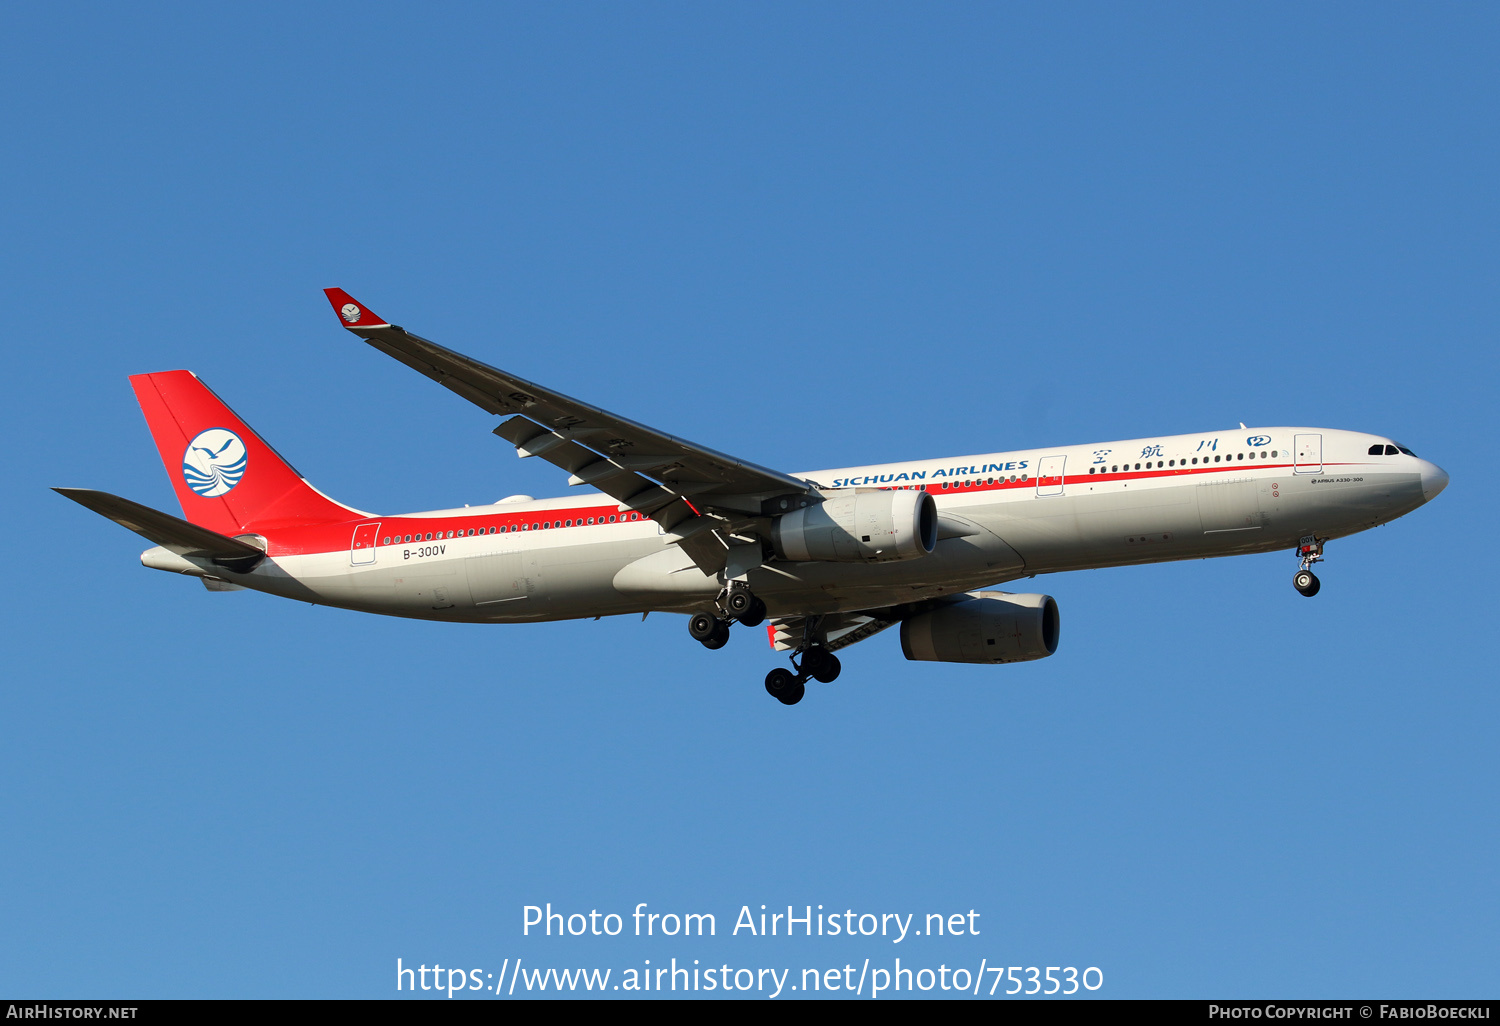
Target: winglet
x=353 y=314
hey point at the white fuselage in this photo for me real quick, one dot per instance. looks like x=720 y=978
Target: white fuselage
x=1002 y=516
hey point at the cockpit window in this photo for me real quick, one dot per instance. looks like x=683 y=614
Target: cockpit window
x=1391 y=450
x=1377 y=450
x=1405 y=450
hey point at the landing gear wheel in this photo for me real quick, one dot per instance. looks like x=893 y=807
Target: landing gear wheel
x=1307 y=583
x=710 y=630
x=828 y=672
x=739 y=602
x=755 y=616
x=783 y=686
x=821 y=665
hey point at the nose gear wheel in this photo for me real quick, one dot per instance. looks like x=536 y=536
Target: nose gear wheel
x=1305 y=581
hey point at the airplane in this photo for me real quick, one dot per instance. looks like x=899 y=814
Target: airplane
x=824 y=559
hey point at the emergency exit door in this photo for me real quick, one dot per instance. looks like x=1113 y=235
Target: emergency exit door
x=1309 y=449
x=1049 y=475
x=362 y=545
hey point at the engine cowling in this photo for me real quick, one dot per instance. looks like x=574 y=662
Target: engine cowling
x=858 y=526
x=986 y=627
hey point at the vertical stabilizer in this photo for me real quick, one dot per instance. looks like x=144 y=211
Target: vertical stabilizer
x=225 y=475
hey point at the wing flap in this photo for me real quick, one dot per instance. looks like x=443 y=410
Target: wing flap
x=833 y=631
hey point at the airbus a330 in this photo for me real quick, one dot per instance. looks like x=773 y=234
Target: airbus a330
x=824 y=558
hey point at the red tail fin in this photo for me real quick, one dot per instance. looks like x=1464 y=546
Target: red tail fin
x=226 y=477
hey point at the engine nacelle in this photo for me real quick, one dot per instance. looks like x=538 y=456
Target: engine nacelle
x=986 y=627
x=858 y=526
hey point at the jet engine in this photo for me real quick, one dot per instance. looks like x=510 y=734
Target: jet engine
x=858 y=526
x=985 y=627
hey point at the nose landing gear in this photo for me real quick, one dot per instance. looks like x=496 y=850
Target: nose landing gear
x=1310 y=549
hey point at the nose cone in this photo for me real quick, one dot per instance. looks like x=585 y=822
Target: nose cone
x=1434 y=480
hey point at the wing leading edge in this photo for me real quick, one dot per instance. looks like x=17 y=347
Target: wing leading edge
x=700 y=496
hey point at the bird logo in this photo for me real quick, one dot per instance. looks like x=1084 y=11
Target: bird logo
x=214 y=462
x=350 y=312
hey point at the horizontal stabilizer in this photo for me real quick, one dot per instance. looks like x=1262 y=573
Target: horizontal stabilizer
x=179 y=536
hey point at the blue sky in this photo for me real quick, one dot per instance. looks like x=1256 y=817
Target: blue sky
x=812 y=236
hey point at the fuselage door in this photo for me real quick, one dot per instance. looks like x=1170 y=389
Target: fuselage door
x=362 y=546
x=1049 y=475
x=1309 y=450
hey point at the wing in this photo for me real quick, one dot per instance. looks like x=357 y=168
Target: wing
x=701 y=497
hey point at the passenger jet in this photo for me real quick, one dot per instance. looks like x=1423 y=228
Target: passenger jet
x=824 y=558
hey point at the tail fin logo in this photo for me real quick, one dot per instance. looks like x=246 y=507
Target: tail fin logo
x=350 y=312
x=214 y=462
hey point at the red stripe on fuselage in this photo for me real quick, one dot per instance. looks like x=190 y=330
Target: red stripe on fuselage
x=332 y=538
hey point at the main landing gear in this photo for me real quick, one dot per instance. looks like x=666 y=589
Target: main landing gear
x=742 y=605
x=739 y=604
x=1311 y=551
x=816 y=663
x=708 y=630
